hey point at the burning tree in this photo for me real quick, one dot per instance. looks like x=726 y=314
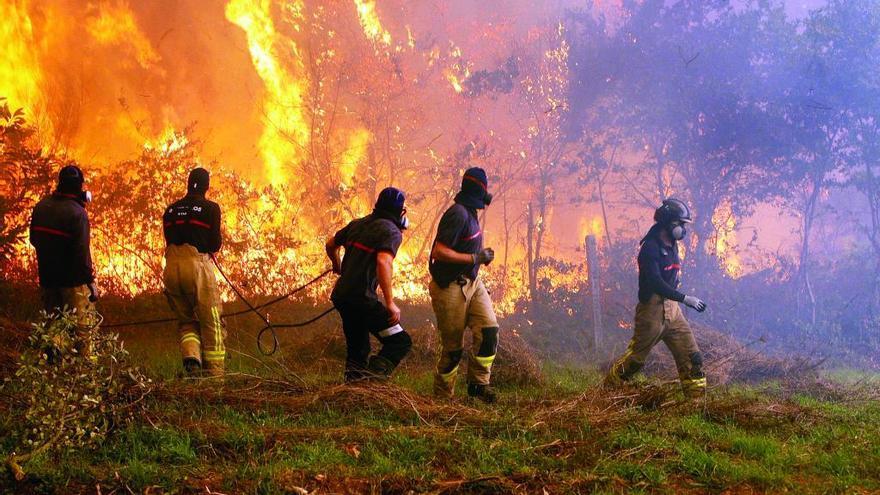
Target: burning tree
x=27 y=172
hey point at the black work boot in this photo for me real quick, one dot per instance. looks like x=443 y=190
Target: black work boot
x=379 y=368
x=482 y=392
x=354 y=375
x=192 y=366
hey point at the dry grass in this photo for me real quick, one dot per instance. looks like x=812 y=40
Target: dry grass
x=12 y=337
x=253 y=391
x=728 y=360
x=516 y=363
x=272 y=426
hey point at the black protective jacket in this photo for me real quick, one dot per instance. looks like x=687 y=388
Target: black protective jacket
x=60 y=233
x=193 y=220
x=459 y=230
x=363 y=239
x=659 y=267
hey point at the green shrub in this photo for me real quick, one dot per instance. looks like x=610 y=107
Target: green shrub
x=65 y=399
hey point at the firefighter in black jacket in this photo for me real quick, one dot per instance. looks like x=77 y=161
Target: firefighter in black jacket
x=370 y=244
x=59 y=231
x=658 y=314
x=192 y=235
x=458 y=296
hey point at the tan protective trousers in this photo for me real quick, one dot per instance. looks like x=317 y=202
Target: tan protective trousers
x=84 y=312
x=458 y=307
x=192 y=292
x=662 y=319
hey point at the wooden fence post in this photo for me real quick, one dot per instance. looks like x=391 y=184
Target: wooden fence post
x=595 y=288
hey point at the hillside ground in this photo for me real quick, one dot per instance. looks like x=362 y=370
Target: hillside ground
x=284 y=424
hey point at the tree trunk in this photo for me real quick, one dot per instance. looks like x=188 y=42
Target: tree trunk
x=592 y=250
x=541 y=227
x=530 y=259
x=504 y=272
x=805 y=286
x=872 y=191
x=599 y=183
x=704 y=234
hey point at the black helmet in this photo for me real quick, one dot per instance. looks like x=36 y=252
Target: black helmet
x=672 y=210
x=70 y=179
x=198 y=181
x=391 y=200
x=71 y=176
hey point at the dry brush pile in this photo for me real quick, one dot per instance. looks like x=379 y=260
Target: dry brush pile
x=68 y=392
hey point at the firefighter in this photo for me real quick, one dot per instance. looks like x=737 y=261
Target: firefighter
x=458 y=296
x=192 y=236
x=370 y=244
x=60 y=233
x=658 y=314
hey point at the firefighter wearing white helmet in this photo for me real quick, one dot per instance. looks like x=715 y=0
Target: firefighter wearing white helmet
x=658 y=314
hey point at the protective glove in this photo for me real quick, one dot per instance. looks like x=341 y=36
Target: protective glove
x=484 y=257
x=695 y=303
x=93 y=292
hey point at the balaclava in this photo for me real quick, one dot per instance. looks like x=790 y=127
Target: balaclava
x=390 y=204
x=474 y=189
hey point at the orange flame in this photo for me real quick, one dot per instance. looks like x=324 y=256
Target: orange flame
x=21 y=76
x=453 y=80
x=115 y=25
x=370 y=22
x=144 y=84
x=591 y=226
x=284 y=127
x=725 y=241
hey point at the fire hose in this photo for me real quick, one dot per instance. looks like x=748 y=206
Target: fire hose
x=250 y=309
x=269 y=326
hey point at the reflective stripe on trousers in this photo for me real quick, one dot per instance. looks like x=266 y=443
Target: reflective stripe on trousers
x=458 y=307
x=657 y=320
x=193 y=295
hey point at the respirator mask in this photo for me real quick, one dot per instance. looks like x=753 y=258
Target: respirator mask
x=70 y=183
x=677 y=231
x=404 y=220
x=487 y=199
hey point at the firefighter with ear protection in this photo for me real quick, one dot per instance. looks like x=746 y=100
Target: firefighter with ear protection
x=370 y=243
x=658 y=314
x=192 y=235
x=458 y=296
x=60 y=233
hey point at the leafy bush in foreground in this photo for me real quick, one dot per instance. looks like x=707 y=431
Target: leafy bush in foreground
x=64 y=398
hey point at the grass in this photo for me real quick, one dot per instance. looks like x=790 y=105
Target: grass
x=742 y=439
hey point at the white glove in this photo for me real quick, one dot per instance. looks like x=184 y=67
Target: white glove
x=695 y=303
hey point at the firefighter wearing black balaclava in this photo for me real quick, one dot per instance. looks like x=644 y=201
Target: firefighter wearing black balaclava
x=658 y=314
x=371 y=244
x=458 y=296
x=192 y=236
x=60 y=233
